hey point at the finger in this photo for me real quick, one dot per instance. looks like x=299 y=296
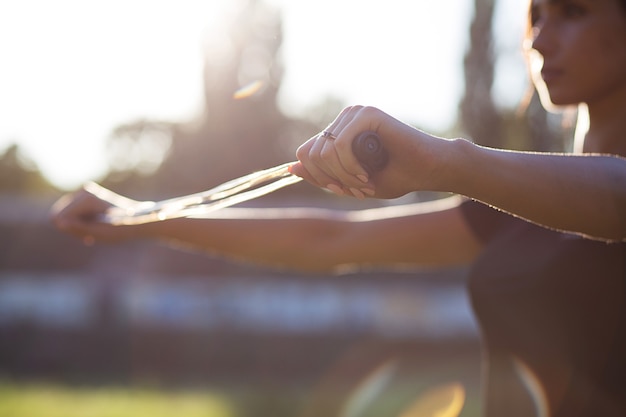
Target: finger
x=330 y=167
x=341 y=160
x=321 y=160
x=354 y=172
x=335 y=126
x=308 y=156
x=75 y=210
x=299 y=170
x=329 y=159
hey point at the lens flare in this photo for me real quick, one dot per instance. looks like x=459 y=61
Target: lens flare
x=441 y=401
x=532 y=384
x=369 y=389
x=248 y=90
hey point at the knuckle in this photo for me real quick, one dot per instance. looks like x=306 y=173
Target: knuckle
x=301 y=152
x=326 y=153
x=316 y=158
x=369 y=111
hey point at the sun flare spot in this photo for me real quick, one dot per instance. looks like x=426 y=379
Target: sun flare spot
x=441 y=401
x=248 y=90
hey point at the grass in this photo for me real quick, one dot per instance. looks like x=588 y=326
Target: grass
x=405 y=392
x=38 y=400
x=55 y=400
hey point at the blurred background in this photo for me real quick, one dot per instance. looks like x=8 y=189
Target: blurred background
x=157 y=99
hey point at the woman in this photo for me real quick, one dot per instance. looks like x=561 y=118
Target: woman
x=548 y=274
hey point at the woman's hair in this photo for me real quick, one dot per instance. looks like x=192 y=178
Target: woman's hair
x=531 y=18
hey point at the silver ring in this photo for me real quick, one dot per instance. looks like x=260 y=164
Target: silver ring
x=327 y=135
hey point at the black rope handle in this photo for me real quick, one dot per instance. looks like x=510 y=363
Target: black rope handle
x=369 y=150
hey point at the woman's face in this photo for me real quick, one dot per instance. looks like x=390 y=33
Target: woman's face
x=583 y=46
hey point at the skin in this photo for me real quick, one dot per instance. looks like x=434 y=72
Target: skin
x=583 y=193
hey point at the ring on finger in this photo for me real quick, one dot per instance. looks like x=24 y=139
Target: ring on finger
x=328 y=135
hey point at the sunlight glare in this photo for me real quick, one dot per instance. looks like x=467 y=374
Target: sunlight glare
x=74 y=70
x=248 y=90
x=533 y=386
x=370 y=388
x=441 y=401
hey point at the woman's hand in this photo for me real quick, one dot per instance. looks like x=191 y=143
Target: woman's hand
x=327 y=161
x=81 y=213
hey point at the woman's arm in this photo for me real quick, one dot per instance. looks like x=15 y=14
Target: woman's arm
x=424 y=235
x=307 y=239
x=584 y=194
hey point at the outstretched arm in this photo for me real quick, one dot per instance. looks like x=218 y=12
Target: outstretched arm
x=584 y=194
x=308 y=239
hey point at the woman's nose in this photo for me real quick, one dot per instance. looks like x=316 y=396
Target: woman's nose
x=544 y=38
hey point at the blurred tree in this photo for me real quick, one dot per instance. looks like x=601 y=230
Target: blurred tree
x=20 y=175
x=532 y=128
x=141 y=146
x=479 y=115
x=135 y=151
x=241 y=128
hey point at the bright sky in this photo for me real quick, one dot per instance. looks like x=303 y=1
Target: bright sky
x=73 y=70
